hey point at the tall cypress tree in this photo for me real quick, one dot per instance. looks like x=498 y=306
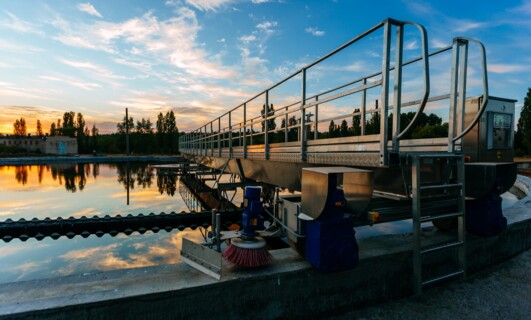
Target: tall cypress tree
x=523 y=133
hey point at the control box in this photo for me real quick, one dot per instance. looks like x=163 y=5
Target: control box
x=492 y=138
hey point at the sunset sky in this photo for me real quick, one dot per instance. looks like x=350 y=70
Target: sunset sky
x=201 y=58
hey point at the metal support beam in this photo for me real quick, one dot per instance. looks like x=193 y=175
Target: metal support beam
x=397 y=100
x=385 y=93
x=303 y=117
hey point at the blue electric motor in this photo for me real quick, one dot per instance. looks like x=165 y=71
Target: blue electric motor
x=330 y=242
x=252 y=219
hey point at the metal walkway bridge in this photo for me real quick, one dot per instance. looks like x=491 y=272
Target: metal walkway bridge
x=253 y=144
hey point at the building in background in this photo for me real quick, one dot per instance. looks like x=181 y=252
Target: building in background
x=57 y=145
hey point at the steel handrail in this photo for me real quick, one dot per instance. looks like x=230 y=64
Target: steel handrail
x=485 y=86
x=426 y=68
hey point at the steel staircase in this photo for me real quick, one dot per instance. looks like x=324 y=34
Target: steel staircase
x=438 y=175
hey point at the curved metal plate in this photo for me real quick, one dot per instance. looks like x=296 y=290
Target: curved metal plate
x=357 y=185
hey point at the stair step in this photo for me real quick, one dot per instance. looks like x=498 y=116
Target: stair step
x=441 y=246
x=441 y=216
x=443 y=277
x=442 y=186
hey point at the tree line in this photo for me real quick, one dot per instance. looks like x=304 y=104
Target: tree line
x=427 y=126
x=143 y=138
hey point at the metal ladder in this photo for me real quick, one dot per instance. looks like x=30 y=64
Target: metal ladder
x=452 y=186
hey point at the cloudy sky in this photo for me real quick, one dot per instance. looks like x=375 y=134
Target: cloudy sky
x=201 y=58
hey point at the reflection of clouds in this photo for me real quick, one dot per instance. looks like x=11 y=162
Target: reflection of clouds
x=25 y=268
x=86 y=253
x=86 y=212
x=66 y=256
x=127 y=253
x=18 y=248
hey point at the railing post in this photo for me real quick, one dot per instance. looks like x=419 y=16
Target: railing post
x=266 y=126
x=211 y=139
x=303 y=117
x=219 y=137
x=397 y=100
x=193 y=142
x=245 y=130
x=230 y=135
x=286 y=126
x=462 y=90
x=453 y=96
x=252 y=133
x=385 y=93
x=202 y=135
x=363 y=108
x=316 y=122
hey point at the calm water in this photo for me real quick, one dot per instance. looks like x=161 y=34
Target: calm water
x=63 y=190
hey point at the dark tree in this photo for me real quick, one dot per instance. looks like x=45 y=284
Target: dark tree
x=53 y=129
x=19 y=127
x=523 y=132
x=39 y=129
x=356 y=123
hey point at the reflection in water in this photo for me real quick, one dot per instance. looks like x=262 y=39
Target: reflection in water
x=92 y=189
x=191 y=201
x=75 y=175
x=21 y=174
x=167 y=184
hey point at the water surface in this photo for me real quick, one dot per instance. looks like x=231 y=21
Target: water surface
x=64 y=190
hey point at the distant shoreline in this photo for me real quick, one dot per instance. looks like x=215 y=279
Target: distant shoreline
x=87 y=159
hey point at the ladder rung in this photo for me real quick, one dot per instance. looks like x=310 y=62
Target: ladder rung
x=441 y=246
x=443 y=277
x=442 y=186
x=441 y=216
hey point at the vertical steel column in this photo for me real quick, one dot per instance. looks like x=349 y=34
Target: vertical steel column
x=385 y=93
x=303 y=117
x=126 y=132
x=219 y=137
x=452 y=132
x=417 y=260
x=245 y=130
x=363 y=108
x=316 y=122
x=211 y=138
x=202 y=141
x=266 y=126
x=286 y=126
x=462 y=92
x=251 y=132
x=397 y=100
x=461 y=207
x=230 y=135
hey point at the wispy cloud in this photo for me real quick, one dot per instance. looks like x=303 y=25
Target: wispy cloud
x=151 y=38
x=203 y=5
x=420 y=8
x=89 y=8
x=465 y=25
x=267 y=26
x=411 y=45
x=19 y=25
x=72 y=82
x=248 y=38
x=12 y=90
x=314 y=31
x=524 y=8
x=96 y=71
x=508 y=68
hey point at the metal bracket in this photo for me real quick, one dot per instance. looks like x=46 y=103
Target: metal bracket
x=202 y=258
